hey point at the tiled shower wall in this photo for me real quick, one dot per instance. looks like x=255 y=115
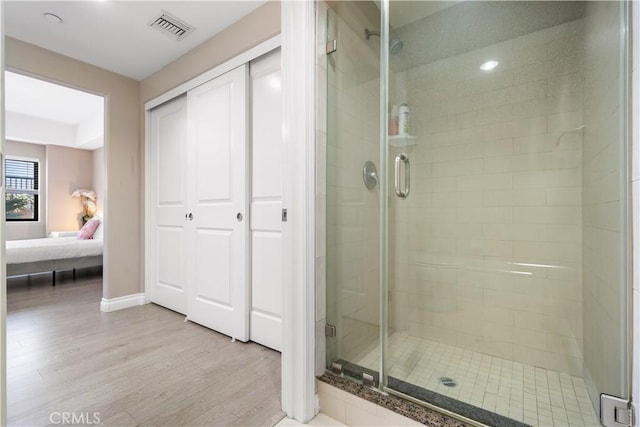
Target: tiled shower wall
x=488 y=249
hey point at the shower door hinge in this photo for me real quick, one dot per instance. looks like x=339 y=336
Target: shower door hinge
x=615 y=411
x=368 y=380
x=329 y=331
x=332 y=46
x=336 y=368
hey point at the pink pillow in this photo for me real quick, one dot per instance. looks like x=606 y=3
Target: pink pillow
x=87 y=230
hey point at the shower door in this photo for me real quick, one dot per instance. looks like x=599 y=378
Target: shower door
x=353 y=135
x=478 y=205
x=507 y=280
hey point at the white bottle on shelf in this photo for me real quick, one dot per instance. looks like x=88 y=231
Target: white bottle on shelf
x=404 y=120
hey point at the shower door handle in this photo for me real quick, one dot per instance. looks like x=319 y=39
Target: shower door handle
x=402 y=160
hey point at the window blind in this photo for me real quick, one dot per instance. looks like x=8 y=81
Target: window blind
x=21 y=176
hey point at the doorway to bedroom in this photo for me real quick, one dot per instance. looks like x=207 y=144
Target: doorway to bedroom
x=54 y=176
x=54 y=182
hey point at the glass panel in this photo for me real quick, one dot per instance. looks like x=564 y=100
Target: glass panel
x=20 y=206
x=507 y=261
x=353 y=124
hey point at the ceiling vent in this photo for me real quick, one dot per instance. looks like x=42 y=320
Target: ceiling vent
x=171 y=25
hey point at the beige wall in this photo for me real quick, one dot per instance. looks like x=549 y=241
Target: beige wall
x=62 y=171
x=27 y=229
x=98 y=178
x=123 y=262
x=258 y=26
x=67 y=170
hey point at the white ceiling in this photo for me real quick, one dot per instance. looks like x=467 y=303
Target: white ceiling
x=115 y=35
x=37 y=98
x=46 y=113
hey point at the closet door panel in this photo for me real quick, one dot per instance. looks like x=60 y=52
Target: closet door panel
x=266 y=202
x=214 y=289
x=218 y=298
x=169 y=205
x=213 y=144
x=170 y=256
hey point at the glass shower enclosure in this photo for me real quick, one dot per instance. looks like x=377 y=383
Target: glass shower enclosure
x=478 y=204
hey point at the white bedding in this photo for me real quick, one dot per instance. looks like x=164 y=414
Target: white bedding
x=32 y=250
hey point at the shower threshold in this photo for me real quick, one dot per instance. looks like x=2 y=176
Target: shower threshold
x=471 y=383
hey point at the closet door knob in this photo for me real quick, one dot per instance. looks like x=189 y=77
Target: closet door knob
x=190 y=216
x=239 y=217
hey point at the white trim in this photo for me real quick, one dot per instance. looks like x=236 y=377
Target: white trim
x=3 y=265
x=22 y=158
x=149 y=214
x=120 y=303
x=243 y=58
x=298 y=233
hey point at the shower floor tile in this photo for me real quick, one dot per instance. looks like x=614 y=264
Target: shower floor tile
x=535 y=396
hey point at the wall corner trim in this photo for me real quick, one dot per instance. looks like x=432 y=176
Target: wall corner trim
x=298 y=233
x=120 y=303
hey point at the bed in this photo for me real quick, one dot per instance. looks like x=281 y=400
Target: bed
x=56 y=253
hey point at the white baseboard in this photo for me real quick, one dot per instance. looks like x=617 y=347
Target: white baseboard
x=120 y=303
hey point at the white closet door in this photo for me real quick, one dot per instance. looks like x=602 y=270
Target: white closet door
x=169 y=205
x=266 y=202
x=217 y=254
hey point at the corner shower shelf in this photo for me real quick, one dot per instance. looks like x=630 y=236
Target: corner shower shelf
x=402 y=140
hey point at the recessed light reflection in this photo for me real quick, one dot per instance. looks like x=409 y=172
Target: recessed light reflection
x=489 y=65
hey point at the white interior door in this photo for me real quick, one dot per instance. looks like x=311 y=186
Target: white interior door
x=266 y=202
x=168 y=205
x=217 y=249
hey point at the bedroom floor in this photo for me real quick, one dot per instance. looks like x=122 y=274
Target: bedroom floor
x=139 y=366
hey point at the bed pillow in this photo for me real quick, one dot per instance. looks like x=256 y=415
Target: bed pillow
x=99 y=233
x=87 y=230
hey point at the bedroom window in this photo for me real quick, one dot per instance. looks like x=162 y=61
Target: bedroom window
x=21 y=190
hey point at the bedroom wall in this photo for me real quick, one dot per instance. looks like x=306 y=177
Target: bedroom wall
x=28 y=229
x=98 y=178
x=67 y=170
x=123 y=213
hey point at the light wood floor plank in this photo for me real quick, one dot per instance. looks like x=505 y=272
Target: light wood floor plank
x=139 y=366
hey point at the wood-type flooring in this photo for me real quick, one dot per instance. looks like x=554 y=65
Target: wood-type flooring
x=141 y=366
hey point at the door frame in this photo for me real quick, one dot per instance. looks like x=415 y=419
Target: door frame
x=3 y=265
x=299 y=232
